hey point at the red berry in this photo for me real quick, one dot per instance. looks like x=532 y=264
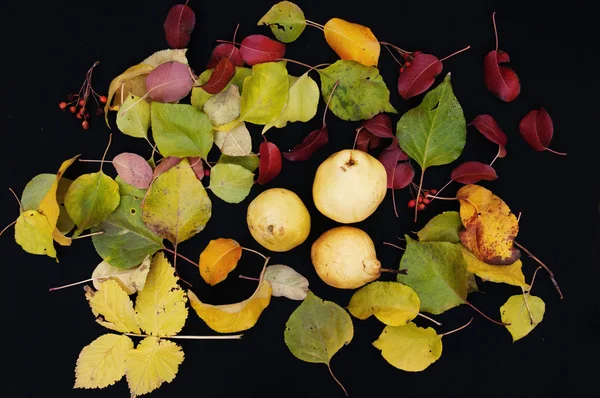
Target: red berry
x=87 y=115
x=72 y=109
x=79 y=116
x=85 y=124
x=206 y=172
x=407 y=64
x=421 y=206
x=81 y=102
x=103 y=99
x=433 y=191
x=401 y=69
x=426 y=201
x=62 y=105
x=420 y=199
x=411 y=203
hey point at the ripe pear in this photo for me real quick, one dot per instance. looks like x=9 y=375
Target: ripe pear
x=344 y=257
x=278 y=219
x=349 y=186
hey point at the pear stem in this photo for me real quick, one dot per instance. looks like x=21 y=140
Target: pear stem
x=394 y=271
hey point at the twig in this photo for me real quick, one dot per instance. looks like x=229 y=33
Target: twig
x=550 y=273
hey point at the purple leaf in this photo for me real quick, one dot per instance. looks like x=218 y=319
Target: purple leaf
x=169 y=82
x=311 y=143
x=473 y=172
x=399 y=175
x=419 y=75
x=179 y=24
x=133 y=169
x=487 y=126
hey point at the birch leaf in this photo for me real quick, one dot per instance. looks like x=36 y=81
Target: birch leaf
x=230 y=182
x=34 y=233
x=391 y=302
x=218 y=259
x=514 y=312
x=235 y=141
x=265 y=93
x=131 y=280
x=112 y=307
x=286 y=282
x=224 y=107
x=133 y=117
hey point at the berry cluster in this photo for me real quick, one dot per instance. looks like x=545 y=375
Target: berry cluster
x=408 y=57
x=422 y=201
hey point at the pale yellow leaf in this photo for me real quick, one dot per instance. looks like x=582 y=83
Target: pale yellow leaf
x=224 y=107
x=34 y=233
x=510 y=274
x=112 y=307
x=515 y=312
x=130 y=279
x=236 y=141
x=392 y=303
x=168 y=55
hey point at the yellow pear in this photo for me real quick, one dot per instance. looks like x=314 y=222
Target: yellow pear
x=278 y=219
x=344 y=257
x=349 y=186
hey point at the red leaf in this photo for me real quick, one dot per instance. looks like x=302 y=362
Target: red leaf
x=473 y=172
x=225 y=50
x=165 y=165
x=399 y=175
x=197 y=166
x=379 y=125
x=487 y=126
x=366 y=141
x=270 y=162
x=169 y=82
x=419 y=75
x=537 y=129
x=311 y=143
x=179 y=24
x=501 y=152
x=133 y=169
x=220 y=77
x=501 y=80
x=256 y=49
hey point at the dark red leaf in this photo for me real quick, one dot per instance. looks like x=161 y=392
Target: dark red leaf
x=270 y=162
x=501 y=80
x=165 y=165
x=487 y=126
x=311 y=143
x=220 y=77
x=473 y=172
x=256 y=49
x=366 y=140
x=197 y=166
x=419 y=75
x=225 y=50
x=399 y=175
x=169 y=82
x=379 y=125
x=179 y=25
x=537 y=129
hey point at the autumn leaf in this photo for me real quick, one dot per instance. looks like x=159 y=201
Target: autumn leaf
x=34 y=233
x=129 y=190
x=487 y=125
x=112 y=307
x=444 y=227
x=265 y=93
x=286 y=20
x=249 y=162
x=224 y=107
x=310 y=144
x=371 y=132
x=417 y=77
x=225 y=50
x=169 y=82
x=231 y=182
x=133 y=117
x=499 y=78
x=473 y=172
x=270 y=162
x=179 y=25
x=400 y=173
x=218 y=259
x=352 y=41
x=131 y=280
x=286 y=282
x=133 y=169
x=258 y=49
x=391 y=302
x=490 y=226
x=166 y=164
x=199 y=96
x=537 y=130
x=511 y=274
x=221 y=76
x=516 y=314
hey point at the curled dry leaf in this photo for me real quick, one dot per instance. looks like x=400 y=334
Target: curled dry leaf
x=169 y=82
x=286 y=20
x=473 y=172
x=537 y=130
x=309 y=145
x=257 y=49
x=391 y=302
x=286 y=282
x=221 y=76
x=352 y=41
x=133 y=169
x=225 y=50
x=179 y=25
x=270 y=162
x=416 y=78
x=499 y=78
x=487 y=125
x=218 y=259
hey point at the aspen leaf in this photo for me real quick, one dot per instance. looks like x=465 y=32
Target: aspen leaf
x=34 y=233
x=514 y=312
x=409 y=347
x=235 y=141
x=231 y=182
x=490 y=226
x=265 y=93
x=249 y=162
x=360 y=94
x=352 y=41
x=102 y=362
x=286 y=282
x=232 y=318
x=286 y=20
x=160 y=307
x=218 y=259
x=133 y=117
x=131 y=280
x=150 y=364
x=129 y=190
x=511 y=274
x=444 y=227
x=224 y=107
x=199 y=96
x=64 y=224
x=177 y=206
x=391 y=302
x=133 y=169
x=112 y=307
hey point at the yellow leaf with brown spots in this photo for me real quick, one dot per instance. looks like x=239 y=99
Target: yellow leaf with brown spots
x=218 y=259
x=511 y=274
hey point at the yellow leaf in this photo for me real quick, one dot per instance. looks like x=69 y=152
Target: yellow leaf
x=131 y=280
x=392 y=303
x=160 y=307
x=34 y=233
x=102 y=363
x=168 y=55
x=509 y=274
x=409 y=347
x=490 y=226
x=112 y=307
x=515 y=313
x=352 y=41
x=231 y=318
x=49 y=205
x=151 y=363
x=218 y=259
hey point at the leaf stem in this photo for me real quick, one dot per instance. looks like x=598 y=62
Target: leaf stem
x=430 y=319
x=336 y=380
x=255 y=252
x=318 y=26
x=394 y=271
x=18 y=200
x=495 y=29
x=226 y=337
x=533 y=279
x=328 y=101
x=527 y=305
x=181 y=256
x=78 y=283
x=106 y=151
x=8 y=226
x=94 y=161
x=556 y=153
x=454 y=53
x=393 y=56
x=393 y=245
x=419 y=192
x=457 y=329
x=484 y=315
x=88 y=235
x=440 y=191
x=249 y=278
x=440 y=197
x=395 y=47
x=496 y=157
x=550 y=273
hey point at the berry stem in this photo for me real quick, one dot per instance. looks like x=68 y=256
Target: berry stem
x=457 y=329
x=440 y=191
x=226 y=337
x=550 y=273
x=393 y=56
x=440 y=197
x=401 y=51
x=484 y=315
x=430 y=319
x=454 y=53
x=419 y=193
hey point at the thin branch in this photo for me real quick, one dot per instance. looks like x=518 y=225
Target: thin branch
x=550 y=273
x=226 y=337
x=457 y=329
x=8 y=226
x=430 y=319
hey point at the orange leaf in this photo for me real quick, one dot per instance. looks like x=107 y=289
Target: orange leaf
x=352 y=41
x=218 y=259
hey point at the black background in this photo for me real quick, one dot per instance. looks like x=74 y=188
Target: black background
x=47 y=49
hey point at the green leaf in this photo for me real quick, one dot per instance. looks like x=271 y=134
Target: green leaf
x=223 y=107
x=391 y=302
x=360 y=94
x=434 y=133
x=129 y=190
x=126 y=241
x=133 y=117
x=286 y=20
x=177 y=206
x=249 y=162
x=231 y=182
x=35 y=190
x=33 y=233
x=317 y=329
x=437 y=271
x=515 y=313
x=64 y=223
x=302 y=103
x=199 y=96
x=181 y=130
x=90 y=200
x=444 y=227
x=265 y=93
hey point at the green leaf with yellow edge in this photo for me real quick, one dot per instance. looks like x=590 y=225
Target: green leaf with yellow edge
x=224 y=107
x=391 y=302
x=317 y=330
x=177 y=206
x=520 y=322
x=444 y=227
x=265 y=93
x=199 y=96
x=34 y=233
x=249 y=162
x=102 y=362
x=437 y=271
x=302 y=103
x=126 y=241
x=286 y=20
x=133 y=118
x=112 y=307
x=131 y=280
x=181 y=130
x=409 y=347
x=235 y=140
x=150 y=364
x=511 y=274
x=129 y=190
x=360 y=94
x=231 y=182
x=90 y=200
x=435 y=132
x=160 y=307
